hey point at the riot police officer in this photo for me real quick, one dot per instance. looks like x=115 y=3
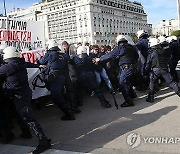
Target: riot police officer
x=17 y=87
x=142 y=46
x=158 y=63
x=58 y=63
x=175 y=56
x=5 y=133
x=128 y=58
x=86 y=76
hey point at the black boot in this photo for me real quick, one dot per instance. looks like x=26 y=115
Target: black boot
x=128 y=100
x=150 y=97
x=68 y=115
x=178 y=93
x=102 y=99
x=75 y=109
x=105 y=103
x=44 y=144
x=6 y=136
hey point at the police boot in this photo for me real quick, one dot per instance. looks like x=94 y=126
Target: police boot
x=128 y=100
x=105 y=103
x=178 y=93
x=43 y=145
x=6 y=136
x=150 y=97
x=75 y=109
x=68 y=115
x=133 y=94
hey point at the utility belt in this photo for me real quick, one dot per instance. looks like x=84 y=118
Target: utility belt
x=126 y=66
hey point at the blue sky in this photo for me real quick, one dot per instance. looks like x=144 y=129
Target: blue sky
x=156 y=10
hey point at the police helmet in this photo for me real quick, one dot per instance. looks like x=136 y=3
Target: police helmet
x=141 y=33
x=121 y=38
x=10 y=52
x=153 y=42
x=174 y=38
x=162 y=39
x=171 y=39
x=129 y=39
x=81 y=50
x=2 y=47
x=52 y=44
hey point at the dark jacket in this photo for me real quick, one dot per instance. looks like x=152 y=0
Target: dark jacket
x=158 y=58
x=15 y=75
x=83 y=63
x=142 y=45
x=97 y=67
x=175 y=50
x=56 y=61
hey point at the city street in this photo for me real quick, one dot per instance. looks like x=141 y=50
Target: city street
x=99 y=130
x=111 y=40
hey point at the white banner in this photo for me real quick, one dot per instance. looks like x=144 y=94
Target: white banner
x=38 y=92
x=21 y=33
x=32 y=56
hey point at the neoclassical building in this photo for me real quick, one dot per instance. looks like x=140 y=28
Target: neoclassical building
x=93 y=21
x=165 y=27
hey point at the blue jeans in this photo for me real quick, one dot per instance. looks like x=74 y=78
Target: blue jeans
x=104 y=75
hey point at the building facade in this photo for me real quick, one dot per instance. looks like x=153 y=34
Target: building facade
x=165 y=27
x=93 y=21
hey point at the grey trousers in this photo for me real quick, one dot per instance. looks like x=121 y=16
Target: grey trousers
x=156 y=73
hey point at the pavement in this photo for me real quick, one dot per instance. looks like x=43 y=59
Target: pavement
x=146 y=128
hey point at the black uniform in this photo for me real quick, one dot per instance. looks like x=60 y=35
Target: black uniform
x=128 y=58
x=158 y=62
x=86 y=77
x=175 y=57
x=58 y=62
x=17 y=86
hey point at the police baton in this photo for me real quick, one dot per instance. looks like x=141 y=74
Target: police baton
x=115 y=102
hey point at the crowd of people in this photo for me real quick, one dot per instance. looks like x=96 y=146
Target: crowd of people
x=125 y=67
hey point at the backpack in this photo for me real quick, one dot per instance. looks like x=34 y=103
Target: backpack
x=46 y=76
